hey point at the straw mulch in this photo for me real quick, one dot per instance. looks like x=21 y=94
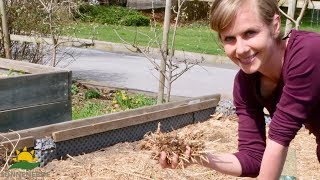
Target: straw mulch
x=128 y=161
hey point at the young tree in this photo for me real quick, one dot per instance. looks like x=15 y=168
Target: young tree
x=169 y=68
x=164 y=50
x=4 y=29
x=35 y=27
x=291 y=22
x=53 y=21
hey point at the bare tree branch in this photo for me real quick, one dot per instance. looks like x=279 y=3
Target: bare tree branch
x=11 y=152
x=304 y=7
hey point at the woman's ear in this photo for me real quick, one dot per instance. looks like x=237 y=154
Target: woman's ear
x=276 y=25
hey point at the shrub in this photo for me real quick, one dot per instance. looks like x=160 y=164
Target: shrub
x=74 y=89
x=123 y=101
x=135 y=20
x=91 y=93
x=114 y=15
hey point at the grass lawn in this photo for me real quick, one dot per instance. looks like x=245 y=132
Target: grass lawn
x=194 y=38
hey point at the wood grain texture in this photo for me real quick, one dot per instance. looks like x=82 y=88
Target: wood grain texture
x=35 y=116
x=47 y=130
x=76 y=132
x=33 y=89
x=27 y=67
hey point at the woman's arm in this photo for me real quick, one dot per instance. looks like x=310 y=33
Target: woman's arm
x=273 y=161
x=226 y=163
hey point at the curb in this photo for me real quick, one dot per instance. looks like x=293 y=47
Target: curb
x=208 y=59
x=100 y=85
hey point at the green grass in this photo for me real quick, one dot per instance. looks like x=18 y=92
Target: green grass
x=123 y=101
x=197 y=37
x=90 y=102
x=89 y=109
x=188 y=38
x=200 y=39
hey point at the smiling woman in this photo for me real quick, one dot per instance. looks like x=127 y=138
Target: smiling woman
x=248 y=38
x=276 y=74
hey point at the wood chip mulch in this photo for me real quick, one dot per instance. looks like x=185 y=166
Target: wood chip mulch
x=128 y=161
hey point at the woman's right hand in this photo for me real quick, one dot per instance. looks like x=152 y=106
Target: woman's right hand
x=175 y=159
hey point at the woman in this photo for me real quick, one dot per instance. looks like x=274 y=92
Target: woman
x=281 y=75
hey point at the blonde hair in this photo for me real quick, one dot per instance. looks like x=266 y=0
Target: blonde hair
x=223 y=12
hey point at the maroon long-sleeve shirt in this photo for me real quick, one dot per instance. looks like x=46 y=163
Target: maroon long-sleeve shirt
x=296 y=101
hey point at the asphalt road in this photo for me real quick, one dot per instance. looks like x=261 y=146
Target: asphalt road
x=136 y=72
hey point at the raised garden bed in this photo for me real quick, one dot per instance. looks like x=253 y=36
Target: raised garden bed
x=91 y=134
x=128 y=161
x=33 y=95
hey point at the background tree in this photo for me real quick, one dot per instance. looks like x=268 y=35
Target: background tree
x=5 y=32
x=291 y=21
x=164 y=51
x=38 y=19
x=170 y=67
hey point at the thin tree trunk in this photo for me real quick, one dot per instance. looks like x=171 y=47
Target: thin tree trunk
x=54 y=51
x=54 y=39
x=164 y=49
x=5 y=31
x=169 y=83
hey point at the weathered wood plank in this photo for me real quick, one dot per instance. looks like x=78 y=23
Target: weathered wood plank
x=129 y=121
x=146 y=4
x=27 y=67
x=8 y=146
x=43 y=131
x=313 y=5
x=34 y=116
x=33 y=89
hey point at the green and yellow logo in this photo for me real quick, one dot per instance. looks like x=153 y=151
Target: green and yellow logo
x=25 y=160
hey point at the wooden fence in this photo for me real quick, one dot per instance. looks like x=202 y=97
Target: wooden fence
x=147 y=4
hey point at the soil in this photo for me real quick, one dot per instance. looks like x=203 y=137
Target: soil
x=128 y=161
x=99 y=94
x=78 y=97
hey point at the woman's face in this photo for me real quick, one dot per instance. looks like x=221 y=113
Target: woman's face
x=248 y=41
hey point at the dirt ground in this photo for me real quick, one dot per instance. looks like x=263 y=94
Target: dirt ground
x=127 y=161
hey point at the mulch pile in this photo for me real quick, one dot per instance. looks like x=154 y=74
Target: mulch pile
x=129 y=161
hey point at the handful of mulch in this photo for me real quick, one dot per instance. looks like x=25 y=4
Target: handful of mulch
x=175 y=143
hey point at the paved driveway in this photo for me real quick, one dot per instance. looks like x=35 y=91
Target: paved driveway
x=136 y=72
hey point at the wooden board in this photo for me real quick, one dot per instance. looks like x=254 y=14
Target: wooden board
x=146 y=4
x=27 y=67
x=313 y=5
x=128 y=121
x=43 y=131
x=16 y=144
x=33 y=89
x=35 y=116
